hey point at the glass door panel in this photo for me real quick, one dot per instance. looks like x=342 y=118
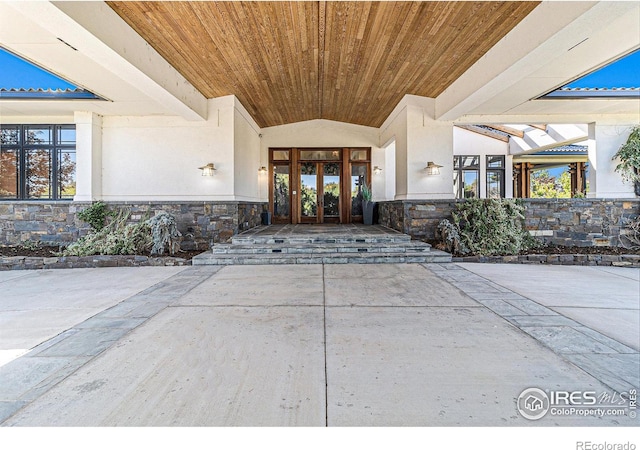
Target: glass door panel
x=358 y=179
x=281 y=194
x=308 y=192
x=331 y=191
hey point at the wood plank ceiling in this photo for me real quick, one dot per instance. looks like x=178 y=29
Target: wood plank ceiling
x=346 y=61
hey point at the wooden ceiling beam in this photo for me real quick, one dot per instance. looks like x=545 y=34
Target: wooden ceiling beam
x=484 y=132
x=508 y=130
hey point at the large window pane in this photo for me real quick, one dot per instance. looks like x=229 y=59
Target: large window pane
x=66 y=136
x=495 y=183
x=38 y=173
x=9 y=167
x=10 y=135
x=470 y=183
x=37 y=162
x=466 y=176
x=66 y=174
x=38 y=135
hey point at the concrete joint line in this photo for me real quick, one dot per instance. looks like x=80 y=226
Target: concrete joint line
x=586 y=348
x=25 y=379
x=324 y=323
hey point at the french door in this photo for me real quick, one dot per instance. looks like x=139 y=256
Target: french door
x=320 y=192
x=317 y=185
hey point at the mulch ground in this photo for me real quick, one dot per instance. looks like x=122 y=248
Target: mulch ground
x=47 y=252
x=566 y=250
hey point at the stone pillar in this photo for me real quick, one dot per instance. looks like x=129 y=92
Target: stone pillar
x=604 y=142
x=88 y=156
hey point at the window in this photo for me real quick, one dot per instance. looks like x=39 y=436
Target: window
x=37 y=162
x=495 y=176
x=466 y=173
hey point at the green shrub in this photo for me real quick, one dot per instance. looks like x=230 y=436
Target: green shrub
x=488 y=227
x=95 y=215
x=629 y=156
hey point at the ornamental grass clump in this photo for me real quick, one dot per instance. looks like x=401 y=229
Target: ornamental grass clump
x=115 y=238
x=164 y=231
x=487 y=227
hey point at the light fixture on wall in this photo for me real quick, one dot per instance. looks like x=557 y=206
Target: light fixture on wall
x=208 y=170
x=433 y=168
x=262 y=169
x=377 y=170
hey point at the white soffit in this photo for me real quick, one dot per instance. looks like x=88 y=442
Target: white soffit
x=558 y=42
x=108 y=58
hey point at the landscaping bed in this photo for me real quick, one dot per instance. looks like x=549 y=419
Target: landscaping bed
x=20 y=258
x=559 y=254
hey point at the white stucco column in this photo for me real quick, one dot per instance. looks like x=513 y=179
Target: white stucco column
x=88 y=156
x=419 y=138
x=604 y=142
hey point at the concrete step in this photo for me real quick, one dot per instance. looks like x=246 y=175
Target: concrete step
x=209 y=258
x=406 y=247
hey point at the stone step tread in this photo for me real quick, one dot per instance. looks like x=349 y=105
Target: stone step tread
x=361 y=258
x=412 y=247
x=321 y=240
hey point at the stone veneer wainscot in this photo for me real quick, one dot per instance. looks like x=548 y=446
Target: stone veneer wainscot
x=563 y=221
x=56 y=223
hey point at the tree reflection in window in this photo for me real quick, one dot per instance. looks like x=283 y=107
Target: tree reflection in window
x=37 y=161
x=331 y=189
x=281 y=191
x=308 y=190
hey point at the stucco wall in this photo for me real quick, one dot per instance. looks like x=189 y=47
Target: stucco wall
x=604 y=142
x=246 y=157
x=157 y=158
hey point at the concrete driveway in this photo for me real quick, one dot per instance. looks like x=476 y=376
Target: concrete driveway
x=336 y=345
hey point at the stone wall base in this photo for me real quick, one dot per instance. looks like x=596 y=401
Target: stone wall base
x=570 y=222
x=57 y=223
x=565 y=260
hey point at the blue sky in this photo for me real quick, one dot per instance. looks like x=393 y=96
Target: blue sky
x=624 y=72
x=17 y=73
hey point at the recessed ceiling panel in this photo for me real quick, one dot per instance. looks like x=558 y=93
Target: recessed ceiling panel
x=346 y=61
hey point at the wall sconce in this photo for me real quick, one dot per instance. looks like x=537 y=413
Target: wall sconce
x=208 y=170
x=433 y=168
x=262 y=169
x=377 y=170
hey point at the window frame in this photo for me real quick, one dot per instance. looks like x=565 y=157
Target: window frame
x=459 y=169
x=55 y=150
x=500 y=170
